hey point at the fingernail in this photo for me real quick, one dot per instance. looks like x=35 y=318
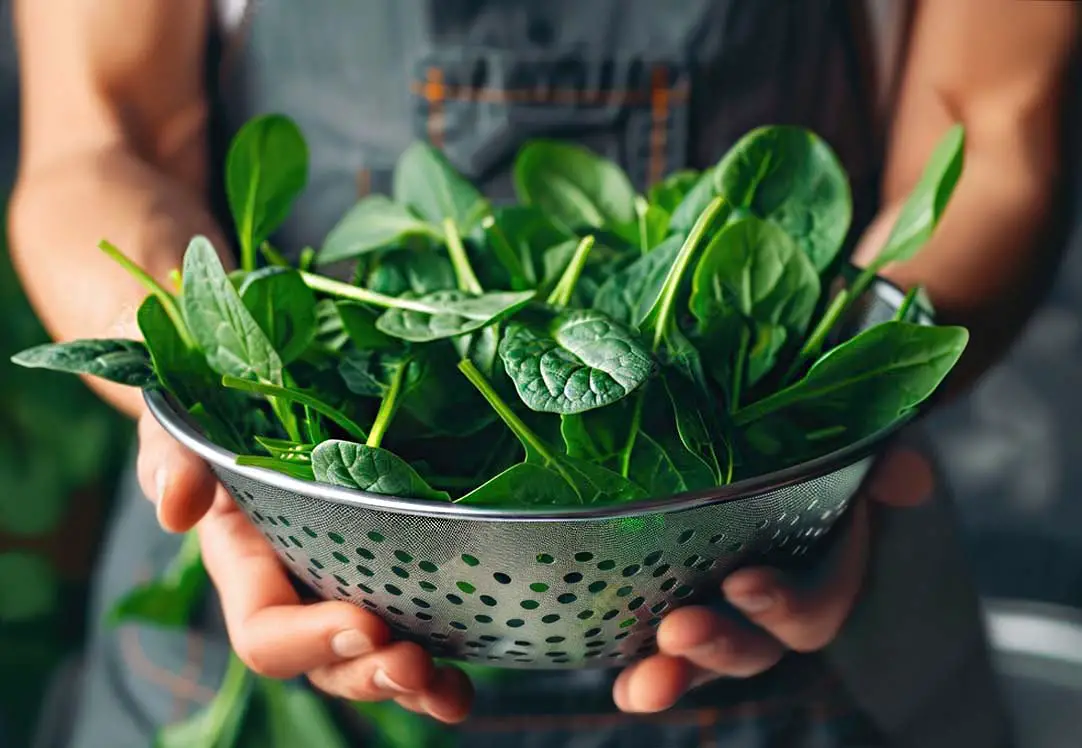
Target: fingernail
x=756 y=603
x=349 y=644
x=383 y=681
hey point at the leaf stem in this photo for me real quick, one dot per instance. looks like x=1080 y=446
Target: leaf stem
x=274 y=257
x=505 y=254
x=522 y=431
x=561 y=294
x=342 y=290
x=387 y=407
x=907 y=304
x=467 y=279
x=633 y=433
x=169 y=302
x=815 y=341
x=679 y=267
x=273 y=390
x=641 y=209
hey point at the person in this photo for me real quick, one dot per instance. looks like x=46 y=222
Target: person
x=125 y=109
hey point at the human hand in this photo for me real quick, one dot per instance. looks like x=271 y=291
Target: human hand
x=696 y=645
x=342 y=649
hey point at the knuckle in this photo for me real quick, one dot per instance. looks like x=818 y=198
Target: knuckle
x=256 y=658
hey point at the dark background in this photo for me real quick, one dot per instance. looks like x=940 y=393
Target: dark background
x=1012 y=450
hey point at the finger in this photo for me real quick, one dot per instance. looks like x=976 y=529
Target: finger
x=653 y=685
x=398 y=670
x=448 y=697
x=805 y=620
x=715 y=645
x=176 y=480
x=270 y=631
x=903 y=478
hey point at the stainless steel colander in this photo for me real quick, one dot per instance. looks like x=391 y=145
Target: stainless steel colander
x=516 y=588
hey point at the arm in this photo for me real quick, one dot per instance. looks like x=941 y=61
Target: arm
x=114 y=146
x=998 y=67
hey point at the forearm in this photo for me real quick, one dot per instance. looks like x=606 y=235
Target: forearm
x=58 y=215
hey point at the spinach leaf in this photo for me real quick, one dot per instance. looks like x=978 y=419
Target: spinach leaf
x=359 y=324
x=373 y=224
x=283 y=307
x=442 y=405
x=406 y=270
x=752 y=274
x=427 y=182
x=693 y=203
x=698 y=430
x=591 y=483
x=371 y=469
x=445 y=314
x=671 y=191
x=170 y=599
x=870 y=381
x=922 y=209
x=524 y=484
x=626 y=296
x=223 y=327
x=577 y=361
x=575 y=187
x=290 y=394
x=527 y=233
x=266 y=169
x=790 y=176
x=369 y=372
x=122 y=361
x=667 y=469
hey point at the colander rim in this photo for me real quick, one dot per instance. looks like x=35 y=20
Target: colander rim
x=181 y=429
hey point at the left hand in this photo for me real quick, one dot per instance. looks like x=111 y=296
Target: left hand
x=696 y=645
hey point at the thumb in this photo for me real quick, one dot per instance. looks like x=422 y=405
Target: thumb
x=176 y=480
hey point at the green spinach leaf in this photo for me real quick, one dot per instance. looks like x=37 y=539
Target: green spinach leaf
x=283 y=307
x=122 y=361
x=524 y=484
x=446 y=314
x=577 y=361
x=372 y=225
x=427 y=182
x=170 y=599
x=790 y=176
x=266 y=169
x=671 y=191
x=371 y=469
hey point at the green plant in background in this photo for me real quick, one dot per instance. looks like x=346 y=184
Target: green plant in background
x=703 y=293
x=58 y=444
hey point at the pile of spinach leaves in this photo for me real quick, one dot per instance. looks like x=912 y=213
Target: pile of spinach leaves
x=614 y=346
x=586 y=345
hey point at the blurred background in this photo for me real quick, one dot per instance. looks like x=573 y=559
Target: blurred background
x=1012 y=450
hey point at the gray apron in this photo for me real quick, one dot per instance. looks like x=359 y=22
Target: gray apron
x=656 y=87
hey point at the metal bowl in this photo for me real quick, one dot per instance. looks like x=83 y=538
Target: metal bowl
x=548 y=588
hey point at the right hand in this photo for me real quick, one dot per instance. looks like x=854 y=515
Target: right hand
x=342 y=649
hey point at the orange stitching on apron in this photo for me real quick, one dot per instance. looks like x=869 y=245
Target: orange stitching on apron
x=364 y=182
x=676 y=95
x=659 y=127
x=435 y=93
x=131 y=649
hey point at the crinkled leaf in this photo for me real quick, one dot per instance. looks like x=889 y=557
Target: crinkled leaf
x=427 y=182
x=373 y=224
x=372 y=469
x=445 y=314
x=222 y=326
x=576 y=361
x=791 y=177
x=123 y=361
x=284 y=308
